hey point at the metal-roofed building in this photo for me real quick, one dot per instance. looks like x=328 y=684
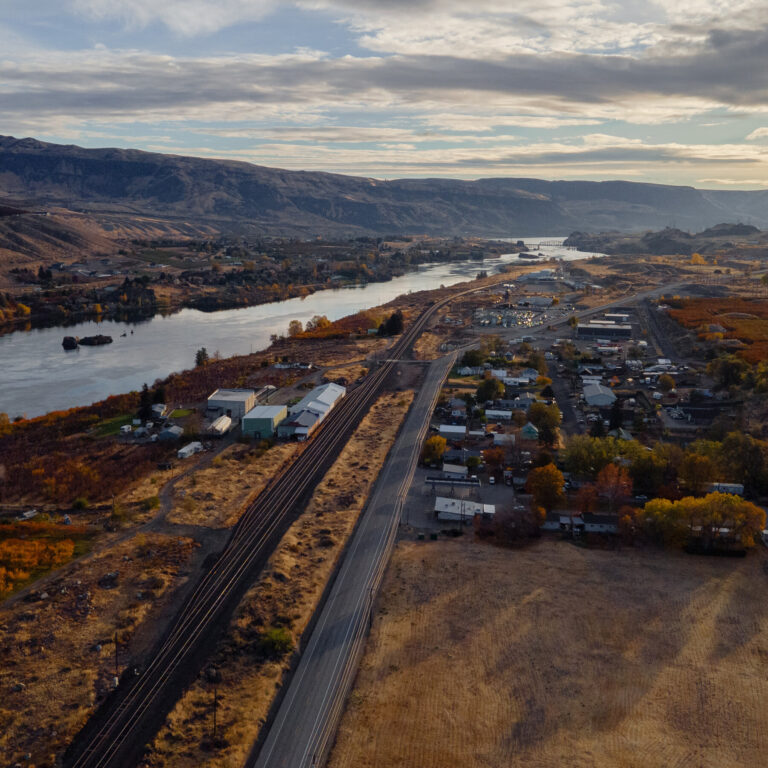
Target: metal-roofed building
x=320 y=400
x=234 y=403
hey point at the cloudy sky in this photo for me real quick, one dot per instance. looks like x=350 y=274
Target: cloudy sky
x=649 y=90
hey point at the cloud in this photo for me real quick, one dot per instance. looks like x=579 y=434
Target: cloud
x=185 y=17
x=758 y=133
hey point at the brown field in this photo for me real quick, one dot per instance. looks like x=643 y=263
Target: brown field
x=557 y=655
x=58 y=652
x=285 y=596
x=743 y=319
x=216 y=495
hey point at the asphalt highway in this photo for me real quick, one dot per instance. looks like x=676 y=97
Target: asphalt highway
x=305 y=724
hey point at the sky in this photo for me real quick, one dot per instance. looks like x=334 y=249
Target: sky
x=644 y=90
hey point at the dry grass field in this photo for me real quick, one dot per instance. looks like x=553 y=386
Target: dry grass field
x=58 y=651
x=558 y=656
x=217 y=495
x=284 y=597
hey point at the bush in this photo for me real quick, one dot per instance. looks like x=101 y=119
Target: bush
x=151 y=502
x=275 y=642
x=80 y=503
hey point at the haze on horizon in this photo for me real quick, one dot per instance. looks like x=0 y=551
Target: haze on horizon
x=667 y=92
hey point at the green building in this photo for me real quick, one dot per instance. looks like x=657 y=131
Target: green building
x=262 y=420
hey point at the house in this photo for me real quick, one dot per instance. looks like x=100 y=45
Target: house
x=598 y=396
x=737 y=489
x=300 y=426
x=234 y=403
x=458 y=408
x=452 y=431
x=503 y=440
x=171 y=433
x=461 y=510
x=524 y=401
x=159 y=410
x=493 y=415
x=529 y=432
x=262 y=420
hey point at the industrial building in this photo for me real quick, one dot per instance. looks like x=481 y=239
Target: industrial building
x=309 y=412
x=461 y=510
x=262 y=420
x=234 y=403
x=219 y=427
x=598 y=330
x=320 y=400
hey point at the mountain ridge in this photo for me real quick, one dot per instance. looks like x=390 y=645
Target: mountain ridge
x=235 y=195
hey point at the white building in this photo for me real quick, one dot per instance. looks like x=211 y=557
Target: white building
x=461 y=510
x=189 y=450
x=455 y=471
x=492 y=415
x=234 y=403
x=320 y=400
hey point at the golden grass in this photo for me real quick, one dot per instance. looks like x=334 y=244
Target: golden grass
x=286 y=595
x=427 y=346
x=50 y=646
x=217 y=495
x=560 y=656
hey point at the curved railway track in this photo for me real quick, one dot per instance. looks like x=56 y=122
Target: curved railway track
x=115 y=737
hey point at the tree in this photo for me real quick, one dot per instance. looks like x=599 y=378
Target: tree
x=648 y=472
x=433 y=450
x=545 y=484
x=295 y=328
x=538 y=361
x=490 y=389
x=393 y=325
x=585 y=456
x=586 y=498
x=318 y=323
x=666 y=382
x=696 y=473
x=728 y=370
x=145 y=403
x=614 y=484
x=201 y=357
x=616 y=419
x=494 y=457
x=473 y=358
x=573 y=321
x=546 y=418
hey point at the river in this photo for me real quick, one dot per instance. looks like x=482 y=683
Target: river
x=37 y=375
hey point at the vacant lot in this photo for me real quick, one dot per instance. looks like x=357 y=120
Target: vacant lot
x=557 y=655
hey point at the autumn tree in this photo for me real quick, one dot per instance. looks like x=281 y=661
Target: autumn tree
x=490 y=389
x=433 y=450
x=546 y=418
x=295 y=328
x=201 y=357
x=614 y=484
x=696 y=473
x=545 y=484
x=666 y=382
x=494 y=457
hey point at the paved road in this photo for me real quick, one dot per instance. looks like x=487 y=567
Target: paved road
x=305 y=725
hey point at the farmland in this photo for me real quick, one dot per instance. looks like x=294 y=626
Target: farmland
x=558 y=655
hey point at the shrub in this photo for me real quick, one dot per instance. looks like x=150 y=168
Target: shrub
x=275 y=642
x=151 y=502
x=80 y=503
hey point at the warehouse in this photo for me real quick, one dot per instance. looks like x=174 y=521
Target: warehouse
x=320 y=400
x=598 y=396
x=262 y=421
x=234 y=403
x=300 y=426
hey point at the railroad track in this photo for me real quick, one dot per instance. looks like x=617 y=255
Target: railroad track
x=116 y=736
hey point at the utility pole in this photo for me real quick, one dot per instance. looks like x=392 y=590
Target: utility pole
x=117 y=659
x=215 y=702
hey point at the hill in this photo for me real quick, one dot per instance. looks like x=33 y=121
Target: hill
x=120 y=186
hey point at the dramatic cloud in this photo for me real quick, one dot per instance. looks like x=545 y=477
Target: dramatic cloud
x=405 y=87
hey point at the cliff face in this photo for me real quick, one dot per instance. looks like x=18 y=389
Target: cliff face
x=232 y=195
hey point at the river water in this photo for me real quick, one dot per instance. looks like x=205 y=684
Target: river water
x=37 y=375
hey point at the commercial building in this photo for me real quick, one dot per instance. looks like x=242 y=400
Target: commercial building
x=299 y=427
x=597 y=330
x=455 y=472
x=262 y=421
x=452 y=431
x=234 y=403
x=461 y=510
x=220 y=426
